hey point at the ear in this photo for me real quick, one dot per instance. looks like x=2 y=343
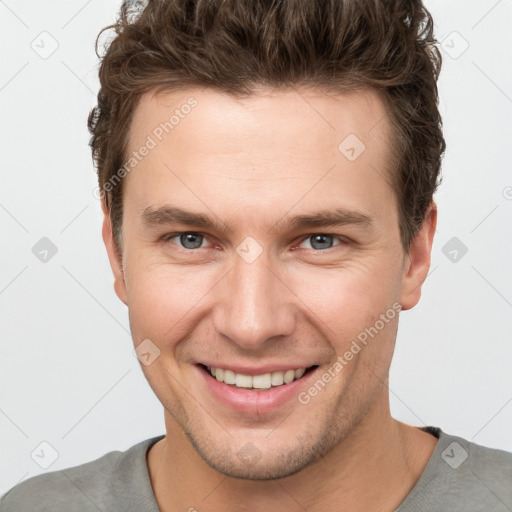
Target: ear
x=114 y=257
x=417 y=261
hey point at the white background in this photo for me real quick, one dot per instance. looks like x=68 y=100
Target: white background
x=68 y=376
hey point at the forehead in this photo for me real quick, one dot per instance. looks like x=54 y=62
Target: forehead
x=299 y=113
x=258 y=147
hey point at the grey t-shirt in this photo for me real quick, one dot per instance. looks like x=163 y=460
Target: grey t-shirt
x=460 y=476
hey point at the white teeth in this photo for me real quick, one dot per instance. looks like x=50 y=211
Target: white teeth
x=289 y=376
x=242 y=381
x=277 y=378
x=299 y=373
x=229 y=377
x=264 y=381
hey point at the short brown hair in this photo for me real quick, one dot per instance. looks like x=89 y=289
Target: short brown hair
x=238 y=46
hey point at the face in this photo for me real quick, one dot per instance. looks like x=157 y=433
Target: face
x=260 y=236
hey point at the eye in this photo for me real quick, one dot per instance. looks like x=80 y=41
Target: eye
x=320 y=241
x=189 y=239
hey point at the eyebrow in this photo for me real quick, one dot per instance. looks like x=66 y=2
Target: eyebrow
x=166 y=215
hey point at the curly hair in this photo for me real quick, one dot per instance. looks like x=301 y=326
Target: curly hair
x=238 y=46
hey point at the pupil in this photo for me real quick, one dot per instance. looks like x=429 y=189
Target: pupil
x=191 y=240
x=322 y=239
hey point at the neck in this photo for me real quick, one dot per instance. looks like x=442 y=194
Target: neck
x=373 y=468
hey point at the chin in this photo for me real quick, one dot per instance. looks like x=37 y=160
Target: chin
x=266 y=459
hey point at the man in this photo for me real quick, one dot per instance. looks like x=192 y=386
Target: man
x=267 y=172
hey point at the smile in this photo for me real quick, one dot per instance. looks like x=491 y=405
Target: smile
x=255 y=391
x=263 y=381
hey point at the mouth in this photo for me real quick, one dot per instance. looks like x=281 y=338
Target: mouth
x=256 y=392
x=260 y=382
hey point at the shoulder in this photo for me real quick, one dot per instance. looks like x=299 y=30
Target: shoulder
x=497 y=461
x=83 y=486
x=463 y=475
x=490 y=470
x=96 y=485
x=488 y=465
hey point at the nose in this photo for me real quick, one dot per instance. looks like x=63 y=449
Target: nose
x=255 y=305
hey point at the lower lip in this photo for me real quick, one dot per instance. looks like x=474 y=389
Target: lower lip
x=249 y=401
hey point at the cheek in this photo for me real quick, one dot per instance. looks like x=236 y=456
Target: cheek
x=166 y=300
x=356 y=309
x=350 y=296
x=162 y=299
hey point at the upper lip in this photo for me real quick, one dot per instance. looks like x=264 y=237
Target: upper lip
x=259 y=370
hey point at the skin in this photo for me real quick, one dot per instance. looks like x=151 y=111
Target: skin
x=252 y=163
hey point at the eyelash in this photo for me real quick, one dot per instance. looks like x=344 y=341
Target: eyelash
x=343 y=240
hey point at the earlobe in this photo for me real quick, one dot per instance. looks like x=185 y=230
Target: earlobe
x=417 y=261
x=114 y=257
